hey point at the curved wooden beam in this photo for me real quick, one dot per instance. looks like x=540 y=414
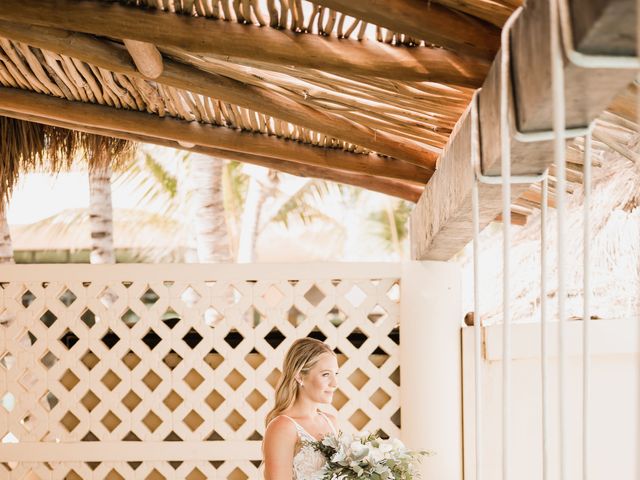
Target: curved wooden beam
x=281 y=47
x=406 y=190
x=91 y=115
x=425 y=21
x=110 y=56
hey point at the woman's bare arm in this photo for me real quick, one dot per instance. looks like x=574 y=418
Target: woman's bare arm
x=278 y=448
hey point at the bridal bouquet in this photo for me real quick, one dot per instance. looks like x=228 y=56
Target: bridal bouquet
x=368 y=457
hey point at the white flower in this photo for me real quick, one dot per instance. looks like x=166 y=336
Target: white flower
x=358 y=450
x=397 y=444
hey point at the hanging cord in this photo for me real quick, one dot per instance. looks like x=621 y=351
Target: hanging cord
x=557 y=88
x=505 y=151
x=477 y=324
x=586 y=316
x=543 y=329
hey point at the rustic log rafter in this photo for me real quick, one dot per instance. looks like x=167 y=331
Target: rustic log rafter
x=146 y=56
x=406 y=190
x=113 y=57
x=268 y=45
x=441 y=223
x=99 y=116
x=431 y=22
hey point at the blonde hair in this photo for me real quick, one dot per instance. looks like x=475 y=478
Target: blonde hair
x=303 y=354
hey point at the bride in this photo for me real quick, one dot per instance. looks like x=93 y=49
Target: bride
x=308 y=380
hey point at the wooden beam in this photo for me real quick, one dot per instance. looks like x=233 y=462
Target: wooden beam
x=493 y=12
x=425 y=21
x=269 y=45
x=92 y=115
x=146 y=56
x=115 y=58
x=406 y=190
x=441 y=222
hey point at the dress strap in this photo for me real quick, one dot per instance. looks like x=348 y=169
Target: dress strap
x=299 y=427
x=333 y=428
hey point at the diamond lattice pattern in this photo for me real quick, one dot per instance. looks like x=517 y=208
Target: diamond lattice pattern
x=152 y=366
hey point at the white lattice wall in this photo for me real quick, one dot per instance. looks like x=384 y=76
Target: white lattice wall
x=148 y=372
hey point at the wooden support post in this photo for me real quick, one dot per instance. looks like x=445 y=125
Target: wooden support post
x=441 y=222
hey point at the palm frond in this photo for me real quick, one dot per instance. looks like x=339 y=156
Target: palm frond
x=152 y=181
x=103 y=152
x=315 y=201
x=390 y=224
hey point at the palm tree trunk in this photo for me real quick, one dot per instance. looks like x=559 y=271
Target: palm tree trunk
x=212 y=238
x=6 y=249
x=250 y=217
x=101 y=216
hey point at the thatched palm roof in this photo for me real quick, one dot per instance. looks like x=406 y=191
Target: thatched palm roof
x=394 y=94
x=328 y=89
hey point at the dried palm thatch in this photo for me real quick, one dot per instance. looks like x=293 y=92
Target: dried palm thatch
x=29 y=146
x=25 y=146
x=101 y=152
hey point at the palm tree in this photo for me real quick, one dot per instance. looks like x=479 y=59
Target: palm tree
x=101 y=216
x=102 y=154
x=26 y=146
x=212 y=238
x=351 y=218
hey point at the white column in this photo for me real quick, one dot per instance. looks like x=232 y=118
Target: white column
x=430 y=372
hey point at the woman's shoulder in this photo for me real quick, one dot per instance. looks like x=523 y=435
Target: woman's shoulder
x=281 y=425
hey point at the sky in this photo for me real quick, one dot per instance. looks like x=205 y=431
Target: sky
x=41 y=195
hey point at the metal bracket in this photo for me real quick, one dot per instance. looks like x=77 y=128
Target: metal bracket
x=586 y=60
x=545 y=135
x=476 y=154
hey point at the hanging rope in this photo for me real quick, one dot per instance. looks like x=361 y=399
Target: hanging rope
x=543 y=329
x=557 y=88
x=477 y=323
x=505 y=151
x=586 y=316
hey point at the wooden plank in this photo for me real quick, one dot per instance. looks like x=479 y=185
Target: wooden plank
x=425 y=21
x=265 y=44
x=115 y=58
x=407 y=190
x=441 y=222
x=146 y=56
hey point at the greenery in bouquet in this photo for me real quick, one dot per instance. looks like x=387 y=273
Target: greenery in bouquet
x=351 y=457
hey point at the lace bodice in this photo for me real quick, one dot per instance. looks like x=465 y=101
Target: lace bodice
x=308 y=463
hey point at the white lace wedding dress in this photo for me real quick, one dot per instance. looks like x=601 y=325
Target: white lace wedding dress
x=308 y=463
